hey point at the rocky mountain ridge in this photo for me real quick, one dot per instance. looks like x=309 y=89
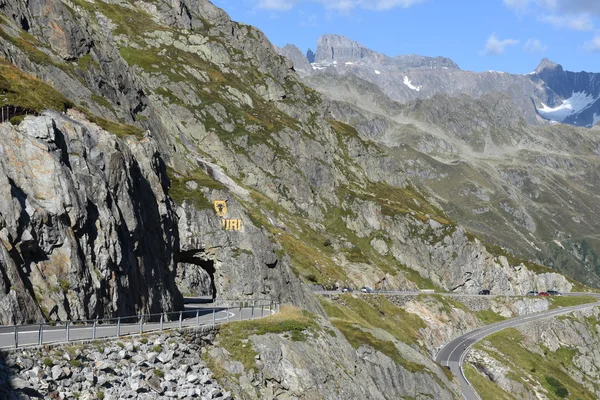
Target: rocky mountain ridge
x=258 y=139
x=162 y=108
x=547 y=95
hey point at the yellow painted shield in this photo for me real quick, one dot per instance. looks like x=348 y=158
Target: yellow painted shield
x=220 y=207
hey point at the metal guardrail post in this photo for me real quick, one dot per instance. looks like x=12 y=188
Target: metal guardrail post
x=161 y=321
x=214 y=315
x=94 y=329
x=240 y=311
x=252 y=315
x=142 y=323
x=262 y=310
x=227 y=312
x=16 y=337
x=180 y=319
x=41 y=335
x=198 y=317
x=68 y=331
x=119 y=327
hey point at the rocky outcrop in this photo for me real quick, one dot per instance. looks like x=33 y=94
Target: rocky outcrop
x=299 y=60
x=323 y=365
x=244 y=263
x=86 y=225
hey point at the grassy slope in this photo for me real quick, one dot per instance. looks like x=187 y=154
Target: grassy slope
x=548 y=370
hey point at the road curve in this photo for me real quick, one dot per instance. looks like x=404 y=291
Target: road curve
x=29 y=335
x=452 y=354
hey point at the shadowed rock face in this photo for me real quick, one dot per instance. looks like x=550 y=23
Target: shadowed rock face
x=87 y=229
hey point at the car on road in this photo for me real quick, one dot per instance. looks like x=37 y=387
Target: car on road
x=543 y=294
x=366 y=289
x=347 y=290
x=533 y=293
x=553 y=292
x=484 y=292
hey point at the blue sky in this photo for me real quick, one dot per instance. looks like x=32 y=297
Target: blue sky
x=479 y=35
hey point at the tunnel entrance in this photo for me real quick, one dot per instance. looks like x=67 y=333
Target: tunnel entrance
x=199 y=258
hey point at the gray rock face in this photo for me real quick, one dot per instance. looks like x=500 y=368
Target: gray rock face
x=327 y=367
x=565 y=85
x=86 y=226
x=237 y=264
x=299 y=60
x=336 y=47
x=332 y=48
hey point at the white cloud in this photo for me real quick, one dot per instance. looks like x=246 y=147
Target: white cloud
x=568 y=14
x=341 y=5
x=581 y=22
x=496 y=46
x=593 y=46
x=281 y=5
x=517 y=5
x=534 y=46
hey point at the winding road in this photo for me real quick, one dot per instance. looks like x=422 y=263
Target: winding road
x=452 y=355
x=194 y=315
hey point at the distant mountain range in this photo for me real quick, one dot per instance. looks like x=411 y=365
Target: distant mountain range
x=546 y=96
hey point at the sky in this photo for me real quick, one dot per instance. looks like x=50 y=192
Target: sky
x=479 y=35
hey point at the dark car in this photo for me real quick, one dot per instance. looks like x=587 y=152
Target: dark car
x=554 y=293
x=484 y=292
x=543 y=294
x=533 y=293
x=346 y=290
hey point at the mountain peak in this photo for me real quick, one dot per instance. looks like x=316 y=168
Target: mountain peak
x=298 y=59
x=546 y=64
x=338 y=47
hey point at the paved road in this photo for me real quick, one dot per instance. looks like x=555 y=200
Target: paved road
x=453 y=353
x=425 y=292
x=28 y=335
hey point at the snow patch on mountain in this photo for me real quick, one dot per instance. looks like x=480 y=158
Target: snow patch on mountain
x=578 y=102
x=408 y=83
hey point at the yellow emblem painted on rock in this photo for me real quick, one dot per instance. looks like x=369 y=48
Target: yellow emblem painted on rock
x=220 y=207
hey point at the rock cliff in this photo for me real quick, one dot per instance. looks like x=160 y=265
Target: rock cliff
x=86 y=225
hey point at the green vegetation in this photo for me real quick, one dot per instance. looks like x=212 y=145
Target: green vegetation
x=180 y=192
x=557 y=387
x=48 y=363
x=157 y=348
x=130 y=22
x=489 y=317
x=116 y=128
x=353 y=316
x=28 y=93
x=508 y=348
x=290 y=321
x=103 y=101
x=159 y=373
x=568 y=301
x=485 y=387
x=65 y=285
x=100 y=395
